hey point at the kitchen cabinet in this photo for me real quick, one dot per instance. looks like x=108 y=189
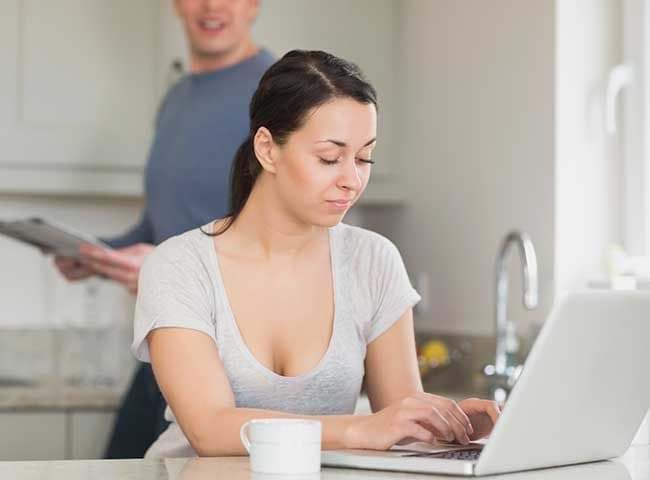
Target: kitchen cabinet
x=79 y=87
x=81 y=81
x=32 y=435
x=54 y=434
x=89 y=433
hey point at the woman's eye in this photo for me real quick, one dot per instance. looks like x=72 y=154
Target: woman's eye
x=328 y=162
x=332 y=162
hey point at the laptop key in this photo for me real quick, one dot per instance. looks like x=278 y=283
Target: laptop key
x=468 y=454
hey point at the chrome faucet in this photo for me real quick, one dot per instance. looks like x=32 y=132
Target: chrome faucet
x=503 y=372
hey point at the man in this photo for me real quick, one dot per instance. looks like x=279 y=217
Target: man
x=201 y=123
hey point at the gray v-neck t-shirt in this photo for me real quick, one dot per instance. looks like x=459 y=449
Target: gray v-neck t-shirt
x=180 y=285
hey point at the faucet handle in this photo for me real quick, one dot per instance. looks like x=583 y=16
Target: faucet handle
x=513 y=373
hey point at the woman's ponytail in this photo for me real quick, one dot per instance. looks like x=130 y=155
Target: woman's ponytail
x=243 y=173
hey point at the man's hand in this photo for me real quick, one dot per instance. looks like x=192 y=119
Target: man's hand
x=121 y=264
x=71 y=268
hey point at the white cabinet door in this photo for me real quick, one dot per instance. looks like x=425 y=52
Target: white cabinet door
x=79 y=87
x=89 y=433
x=32 y=436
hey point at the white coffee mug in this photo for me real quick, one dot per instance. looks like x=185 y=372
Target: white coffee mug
x=282 y=445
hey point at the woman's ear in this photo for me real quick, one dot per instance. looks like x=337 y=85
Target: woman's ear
x=265 y=149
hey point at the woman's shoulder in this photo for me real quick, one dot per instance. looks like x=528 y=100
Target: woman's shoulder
x=368 y=252
x=357 y=240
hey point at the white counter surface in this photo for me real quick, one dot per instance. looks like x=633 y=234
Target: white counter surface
x=634 y=465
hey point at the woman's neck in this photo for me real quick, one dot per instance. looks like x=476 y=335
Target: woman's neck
x=265 y=228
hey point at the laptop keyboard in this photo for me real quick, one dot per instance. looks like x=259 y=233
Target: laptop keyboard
x=467 y=455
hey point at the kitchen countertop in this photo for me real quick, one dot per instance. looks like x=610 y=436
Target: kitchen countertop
x=60 y=396
x=54 y=395
x=633 y=465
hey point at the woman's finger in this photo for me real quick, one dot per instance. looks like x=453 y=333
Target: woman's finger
x=462 y=436
x=452 y=407
x=493 y=411
x=429 y=416
x=462 y=418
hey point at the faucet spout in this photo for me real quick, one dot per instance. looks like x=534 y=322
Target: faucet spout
x=530 y=293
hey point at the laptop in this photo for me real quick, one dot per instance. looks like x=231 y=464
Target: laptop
x=581 y=397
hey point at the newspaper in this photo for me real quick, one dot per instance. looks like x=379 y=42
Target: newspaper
x=48 y=236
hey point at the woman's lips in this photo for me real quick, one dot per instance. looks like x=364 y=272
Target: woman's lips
x=340 y=204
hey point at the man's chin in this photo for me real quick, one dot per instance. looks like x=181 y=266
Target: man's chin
x=212 y=47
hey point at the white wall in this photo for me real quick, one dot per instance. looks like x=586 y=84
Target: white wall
x=587 y=161
x=475 y=143
x=500 y=126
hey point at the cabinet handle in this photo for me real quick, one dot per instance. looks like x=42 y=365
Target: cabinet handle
x=619 y=77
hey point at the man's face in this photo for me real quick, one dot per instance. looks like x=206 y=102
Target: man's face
x=216 y=27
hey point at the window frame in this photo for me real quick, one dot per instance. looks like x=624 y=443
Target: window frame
x=635 y=135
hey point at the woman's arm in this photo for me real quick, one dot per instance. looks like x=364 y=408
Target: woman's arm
x=392 y=375
x=192 y=379
x=391 y=364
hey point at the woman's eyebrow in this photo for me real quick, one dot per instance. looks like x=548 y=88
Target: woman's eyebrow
x=343 y=144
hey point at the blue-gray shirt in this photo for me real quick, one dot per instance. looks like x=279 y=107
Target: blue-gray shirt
x=200 y=125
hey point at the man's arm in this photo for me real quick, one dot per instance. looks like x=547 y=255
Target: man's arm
x=142 y=232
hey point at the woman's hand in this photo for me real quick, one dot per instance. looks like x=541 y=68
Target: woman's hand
x=482 y=413
x=419 y=417
x=121 y=264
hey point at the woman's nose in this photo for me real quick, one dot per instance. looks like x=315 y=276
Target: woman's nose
x=350 y=178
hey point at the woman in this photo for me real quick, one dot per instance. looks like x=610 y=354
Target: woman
x=280 y=310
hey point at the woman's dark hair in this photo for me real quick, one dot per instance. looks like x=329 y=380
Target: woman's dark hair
x=287 y=92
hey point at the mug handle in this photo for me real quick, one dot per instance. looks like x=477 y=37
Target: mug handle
x=243 y=435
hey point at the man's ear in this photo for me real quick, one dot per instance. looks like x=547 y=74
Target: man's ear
x=254 y=9
x=264 y=148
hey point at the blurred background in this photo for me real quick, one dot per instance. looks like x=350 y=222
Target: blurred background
x=497 y=115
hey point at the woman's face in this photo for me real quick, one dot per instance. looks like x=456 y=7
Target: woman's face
x=324 y=166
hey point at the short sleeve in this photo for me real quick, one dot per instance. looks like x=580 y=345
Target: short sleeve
x=393 y=293
x=173 y=291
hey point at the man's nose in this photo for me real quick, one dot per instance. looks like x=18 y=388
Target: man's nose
x=213 y=4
